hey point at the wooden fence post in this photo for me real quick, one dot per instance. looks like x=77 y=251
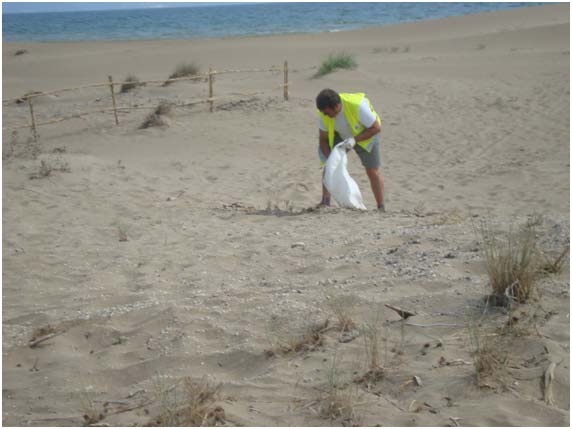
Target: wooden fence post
x=211 y=92
x=285 y=80
x=34 y=131
x=113 y=99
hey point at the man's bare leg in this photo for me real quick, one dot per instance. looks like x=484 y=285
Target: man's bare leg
x=326 y=196
x=376 y=181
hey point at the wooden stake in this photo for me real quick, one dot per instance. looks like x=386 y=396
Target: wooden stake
x=113 y=99
x=34 y=131
x=211 y=79
x=285 y=80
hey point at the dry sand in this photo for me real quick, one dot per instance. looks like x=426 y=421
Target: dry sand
x=475 y=126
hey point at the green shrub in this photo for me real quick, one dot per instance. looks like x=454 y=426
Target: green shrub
x=336 y=61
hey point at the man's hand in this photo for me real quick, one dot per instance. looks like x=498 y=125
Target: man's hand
x=347 y=144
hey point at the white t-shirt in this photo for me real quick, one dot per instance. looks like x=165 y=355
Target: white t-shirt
x=341 y=125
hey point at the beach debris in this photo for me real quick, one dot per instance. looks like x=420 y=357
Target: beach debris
x=414 y=407
x=348 y=336
x=36 y=342
x=179 y=194
x=299 y=244
x=455 y=420
x=404 y=314
x=35 y=367
x=432 y=409
x=454 y=362
x=548 y=380
x=415 y=380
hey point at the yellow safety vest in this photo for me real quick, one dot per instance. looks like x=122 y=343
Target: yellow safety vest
x=351 y=104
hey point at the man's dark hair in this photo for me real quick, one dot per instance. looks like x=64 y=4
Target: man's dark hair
x=327 y=98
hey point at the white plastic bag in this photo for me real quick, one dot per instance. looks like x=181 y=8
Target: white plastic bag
x=339 y=183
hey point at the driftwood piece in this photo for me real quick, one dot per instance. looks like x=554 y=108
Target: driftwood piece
x=548 y=380
x=404 y=314
x=37 y=341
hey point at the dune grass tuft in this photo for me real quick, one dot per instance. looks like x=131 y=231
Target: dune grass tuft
x=490 y=356
x=183 y=70
x=554 y=265
x=159 y=117
x=343 y=308
x=338 y=400
x=335 y=62
x=129 y=83
x=372 y=337
x=286 y=338
x=511 y=262
x=191 y=404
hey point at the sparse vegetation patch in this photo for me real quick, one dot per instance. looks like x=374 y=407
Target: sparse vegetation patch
x=335 y=62
x=129 y=83
x=183 y=70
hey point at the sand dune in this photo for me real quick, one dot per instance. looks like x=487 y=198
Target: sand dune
x=192 y=250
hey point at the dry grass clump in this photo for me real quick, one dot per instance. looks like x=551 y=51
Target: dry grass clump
x=339 y=398
x=160 y=117
x=129 y=83
x=343 y=307
x=47 y=167
x=339 y=404
x=91 y=412
x=491 y=354
x=285 y=338
x=192 y=404
x=554 y=265
x=183 y=70
x=511 y=262
x=372 y=338
x=26 y=149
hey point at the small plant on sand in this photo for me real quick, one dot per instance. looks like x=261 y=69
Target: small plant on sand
x=47 y=167
x=199 y=406
x=122 y=233
x=490 y=353
x=90 y=411
x=343 y=307
x=335 y=62
x=129 y=83
x=511 y=262
x=338 y=399
x=183 y=70
x=286 y=338
x=25 y=148
x=372 y=338
x=159 y=117
x=165 y=393
x=554 y=265
x=192 y=404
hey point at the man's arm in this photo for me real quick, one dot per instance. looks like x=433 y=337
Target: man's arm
x=324 y=143
x=369 y=132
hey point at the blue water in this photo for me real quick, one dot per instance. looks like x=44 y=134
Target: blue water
x=214 y=21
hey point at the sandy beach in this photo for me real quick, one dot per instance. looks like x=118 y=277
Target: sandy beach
x=152 y=257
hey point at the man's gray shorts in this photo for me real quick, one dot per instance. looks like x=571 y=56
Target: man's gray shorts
x=371 y=159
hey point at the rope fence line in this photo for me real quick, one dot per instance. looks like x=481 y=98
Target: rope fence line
x=209 y=77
